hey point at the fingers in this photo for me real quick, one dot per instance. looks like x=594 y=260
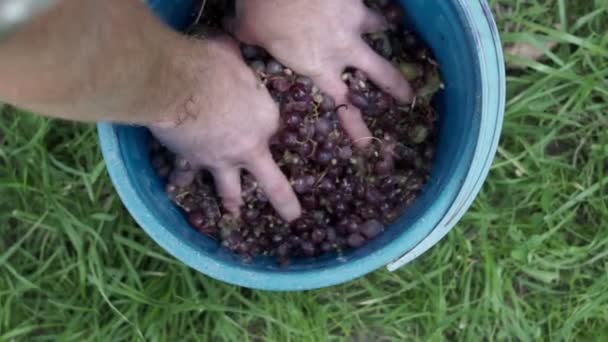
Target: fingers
x=275 y=186
x=384 y=74
x=228 y=187
x=350 y=116
x=373 y=22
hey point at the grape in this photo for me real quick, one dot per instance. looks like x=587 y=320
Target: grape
x=384 y=167
x=283 y=250
x=305 y=149
x=323 y=127
x=422 y=54
x=308 y=248
x=251 y=215
x=355 y=240
x=331 y=234
x=394 y=14
x=326 y=186
x=358 y=100
x=327 y=104
x=302 y=184
x=273 y=67
x=251 y=52
x=303 y=225
x=368 y=212
x=341 y=208
x=196 y=220
x=409 y=39
x=372 y=195
x=371 y=229
x=345 y=153
x=309 y=202
x=280 y=84
x=298 y=107
x=164 y=171
x=258 y=67
x=318 y=235
x=324 y=157
x=298 y=92
x=306 y=82
x=293 y=120
x=352 y=226
x=290 y=139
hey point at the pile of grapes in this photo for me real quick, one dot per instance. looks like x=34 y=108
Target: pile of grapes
x=349 y=195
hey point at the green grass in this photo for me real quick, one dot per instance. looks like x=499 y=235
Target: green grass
x=529 y=261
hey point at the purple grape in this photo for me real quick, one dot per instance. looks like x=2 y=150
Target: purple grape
x=318 y=235
x=352 y=226
x=368 y=212
x=355 y=240
x=258 y=67
x=331 y=235
x=394 y=14
x=323 y=127
x=283 y=250
x=372 y=228
x=358 y=100
x=324 y=157
x=290 y=139
x=251 y=52
x=279 y=84
x=384 y=167
x=308 y=248
x=293 y=121
x=273 y=67
x=251 y=215
x=196 y=220
x=309 y=202
x=326 y=185
x=303 y=184
x=298 y=92
x=304 y=149
x=345 y=153
x=372 y=195
x=327 y=104
x=306 y=131
x=328 y=145
x=306 y=82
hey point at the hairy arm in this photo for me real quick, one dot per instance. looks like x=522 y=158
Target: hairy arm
x=91 y=60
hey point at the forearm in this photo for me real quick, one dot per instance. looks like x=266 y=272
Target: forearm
x=93 y=60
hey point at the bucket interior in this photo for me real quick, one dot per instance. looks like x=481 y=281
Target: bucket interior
x=444 y=27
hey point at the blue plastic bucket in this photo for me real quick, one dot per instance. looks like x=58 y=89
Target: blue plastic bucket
x=465 y=41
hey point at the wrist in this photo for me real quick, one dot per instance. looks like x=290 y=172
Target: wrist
x=194 y=74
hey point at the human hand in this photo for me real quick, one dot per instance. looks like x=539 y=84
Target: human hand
x=224 y=124
x=320 y=38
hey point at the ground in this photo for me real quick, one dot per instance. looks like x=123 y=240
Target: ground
x=529 y=261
